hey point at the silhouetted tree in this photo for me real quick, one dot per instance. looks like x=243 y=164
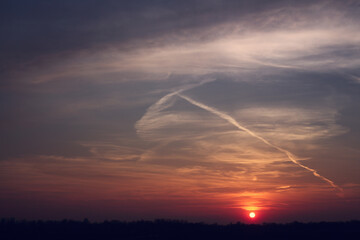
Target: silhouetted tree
x=169 y=229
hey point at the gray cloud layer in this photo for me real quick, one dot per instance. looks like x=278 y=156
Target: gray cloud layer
x=81 y=83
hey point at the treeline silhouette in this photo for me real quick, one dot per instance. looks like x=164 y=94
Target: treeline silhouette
x=172 y=229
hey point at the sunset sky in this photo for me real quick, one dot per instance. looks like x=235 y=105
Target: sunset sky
x=199 y=110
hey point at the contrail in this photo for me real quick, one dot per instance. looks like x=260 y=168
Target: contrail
x=152 y=113
x=163 y=103
x=231 y=120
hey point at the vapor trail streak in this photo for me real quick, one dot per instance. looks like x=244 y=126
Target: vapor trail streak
x=231 y=120
x=149 y=118
x=164 y=103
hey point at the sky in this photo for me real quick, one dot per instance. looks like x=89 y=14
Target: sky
x=195 y=110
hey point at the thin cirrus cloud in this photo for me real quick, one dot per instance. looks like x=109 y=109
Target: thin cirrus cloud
x=284 y=124
x=155 y=118
x=113 y=105
x=302 y=39
x=301 y=49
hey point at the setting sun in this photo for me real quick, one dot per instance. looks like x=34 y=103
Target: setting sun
x=252 y=215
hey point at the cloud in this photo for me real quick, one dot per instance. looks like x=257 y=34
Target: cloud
x=295 y=123
x=305 y=37
x=355 y=78
x=232 y=121
x=231 y=53
x=155 y=119
x=90 y=101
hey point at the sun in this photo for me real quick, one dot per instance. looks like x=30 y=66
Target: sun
x=252 y=215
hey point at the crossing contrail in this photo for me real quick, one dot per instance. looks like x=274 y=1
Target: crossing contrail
x=163 y=103
x=232 y=121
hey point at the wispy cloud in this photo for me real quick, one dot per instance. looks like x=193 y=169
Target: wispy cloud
x=295 y=123
x=297 y=38
x=232 y=121
x=93 y=105
x=159 y=117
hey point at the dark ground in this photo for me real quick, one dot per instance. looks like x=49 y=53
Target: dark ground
x=168 y=229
